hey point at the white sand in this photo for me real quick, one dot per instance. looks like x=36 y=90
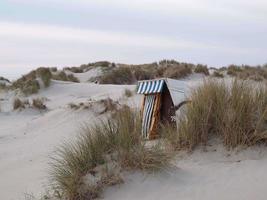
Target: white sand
x=86 y=76
x=28 y=138
x=201 y=176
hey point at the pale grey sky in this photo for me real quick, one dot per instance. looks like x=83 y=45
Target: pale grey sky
x=37 y=33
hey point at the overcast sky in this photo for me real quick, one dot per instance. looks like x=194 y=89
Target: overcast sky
x=72 y=32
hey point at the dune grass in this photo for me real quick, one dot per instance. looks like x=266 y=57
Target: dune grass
x=62 y=76
x=45 y=74
x=177 y=71
x=74 y=69
x=112 y=140
x=29 y=84
x=19 y=104
x=73 y=78
x=3 y=86
x=38 y=103
x=236 y=113
x=256 y=73
x=30 y=87
x=217 y=74
x=145 y=72
x=202 y=69
x=4 y=79
x=128 y=93
x=4 y=83
x=129 y=74
x=119 y=75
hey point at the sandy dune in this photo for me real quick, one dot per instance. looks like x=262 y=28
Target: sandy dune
x=28 y=138
x=215 y=174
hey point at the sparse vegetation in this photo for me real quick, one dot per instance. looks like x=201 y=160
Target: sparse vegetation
x=85 y=67
x=177 y=72
x=73 y=106
x=53 y=69
x=128 y=93
x=106 y=105
x=45 y=74
x=38 y=103
x=120 y=75
x=62 y=76
x=81 y=105
x=4 y=79
x=233 y=70
x=29 y=84
x=30 y=87
x=113 y=142
x=4 y=83
x=145 y=72
x=236 y=114
x=202 y=69
x=218 y=74
x=18 y=104
x=72 y=78
x=2 y=86
x=256 y=73
x=109 y=105
x=74 y=69
x=129 y=74
x=166 y=68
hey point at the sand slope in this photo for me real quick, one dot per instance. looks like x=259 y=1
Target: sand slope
x=28 y=138
x=216 y=174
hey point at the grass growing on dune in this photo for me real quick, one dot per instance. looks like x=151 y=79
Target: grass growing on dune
x=38 y=103
x=236 y=113
x=45 y=74
x=256 y=73
x=128 y=93
x=120 y=75
x=203 y=115
x=19 y=104
x=177 y=71
x=218 y=74
x=202 y=69
x=62 y=76
x=116 y=140
x=29 y=83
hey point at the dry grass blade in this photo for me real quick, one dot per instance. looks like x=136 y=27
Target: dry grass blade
x=116 y=140
x=236 y=113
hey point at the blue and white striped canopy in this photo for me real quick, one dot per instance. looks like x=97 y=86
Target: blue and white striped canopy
x=150 y=87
